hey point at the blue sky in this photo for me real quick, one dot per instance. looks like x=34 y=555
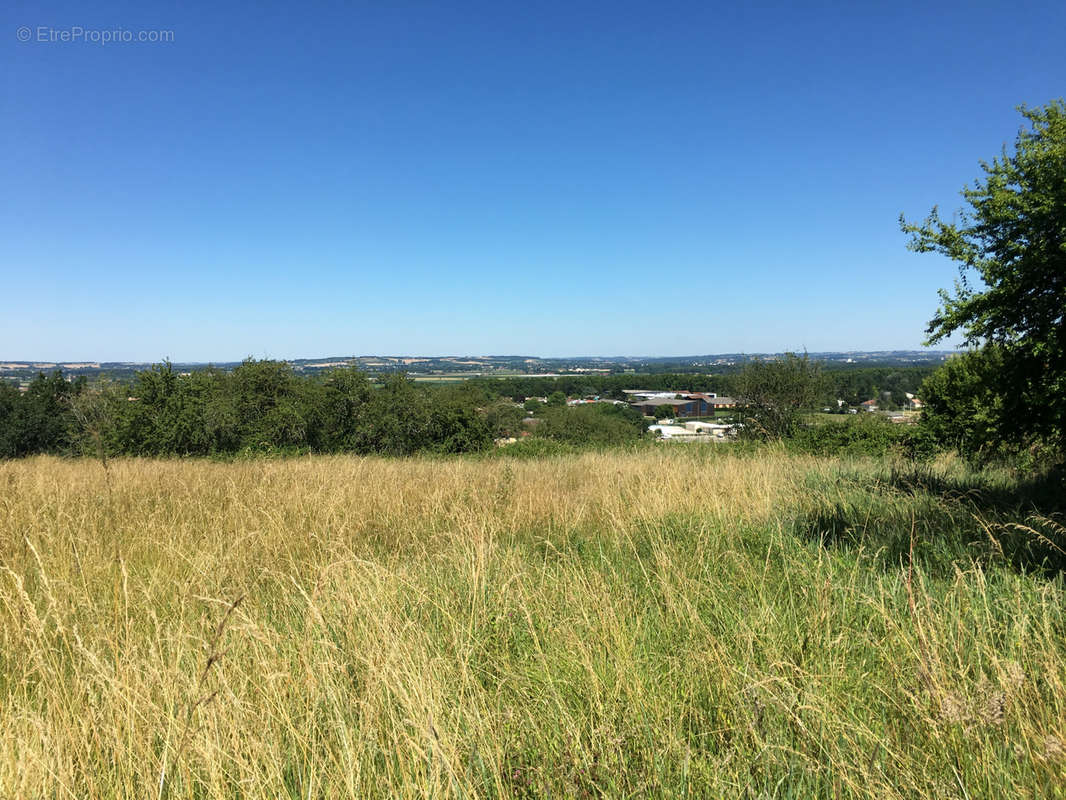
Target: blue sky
x=481 y=178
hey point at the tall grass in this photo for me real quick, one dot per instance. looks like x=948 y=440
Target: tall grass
x=658 y=623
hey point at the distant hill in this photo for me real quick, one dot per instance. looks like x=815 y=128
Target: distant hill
x=21 y=370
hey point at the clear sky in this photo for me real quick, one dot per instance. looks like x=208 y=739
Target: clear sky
x=571 y=178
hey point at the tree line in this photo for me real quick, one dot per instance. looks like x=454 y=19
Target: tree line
x=258 y=406
x=267 y=406
x=264 y=406
x=853 y=385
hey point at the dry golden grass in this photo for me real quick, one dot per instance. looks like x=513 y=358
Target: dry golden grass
x=620 y=624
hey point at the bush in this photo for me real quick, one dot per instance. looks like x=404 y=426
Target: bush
x=533 y=447
x=664 y=411
x=774 y=393
x=39 y=420
x=591 y=423
x=865 y=435
x=264 y=407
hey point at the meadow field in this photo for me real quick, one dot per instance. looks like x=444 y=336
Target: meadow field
x=656 y=622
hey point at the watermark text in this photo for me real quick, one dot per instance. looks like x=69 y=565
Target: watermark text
x=76 y=34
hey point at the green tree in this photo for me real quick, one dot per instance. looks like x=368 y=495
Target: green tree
x=455 y=428
x=346 y=398
x=39 y=420
x=774 y=393
x=10 y=407
x=591 y=424
x=94 y=412
x=167 y=413
x=663 y=412
x=963 y=409
x=1012 y=237
x=504 y=417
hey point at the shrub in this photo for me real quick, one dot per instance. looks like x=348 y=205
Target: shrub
x=39 y=420
x=865 y=435
x=592 y=423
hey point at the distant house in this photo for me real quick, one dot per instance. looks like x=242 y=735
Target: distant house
x=684 y=404
x=711 y=429
x=670 y=432
x=868 y=405
x=692 y=432
x=913 y=402
x=682 y=407
x=637 y=395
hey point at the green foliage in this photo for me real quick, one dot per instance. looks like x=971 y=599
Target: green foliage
x=854 y=386
x=171 y=414
x=536 y=447
x=863 y=435
x=346 y=397
x=269 y=408
x=39 y=420
x=273 y=408
x=1013 y=237
x=591 y=423
x=504 y=418
x=663 y=411
x=452 y=427
x=10 y=400
x=964 y=405
x=264 y=407
x=774 y=393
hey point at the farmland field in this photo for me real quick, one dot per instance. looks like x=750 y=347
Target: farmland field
x=661 y=622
